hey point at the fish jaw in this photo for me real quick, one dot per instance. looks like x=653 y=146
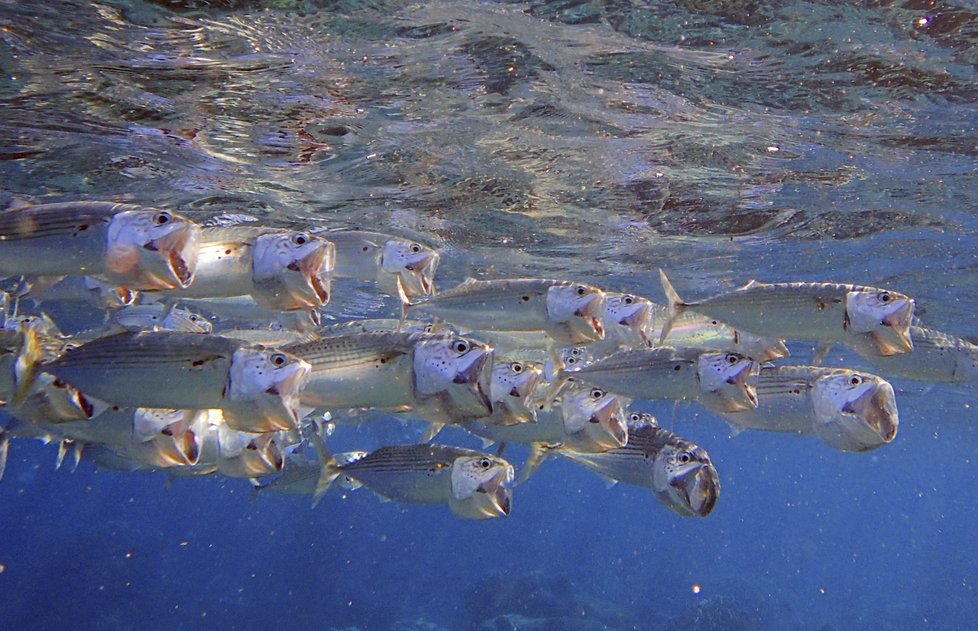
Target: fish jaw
x=699 y=489
x=481 y=487
x=685 y=480
x=151 y=249
x=456 y=372
x=594 y=421
x=630 y=312
x=262 y=394
x=575 y=314
x=261 y=456
x=885 y=316
x=292 y=271
x=176 y=447
x=413 y=265
x=727 y=380
x=761 y=348
x=512 y=385
x=855 y=417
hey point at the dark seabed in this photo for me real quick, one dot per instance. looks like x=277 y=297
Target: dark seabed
x=723 y=140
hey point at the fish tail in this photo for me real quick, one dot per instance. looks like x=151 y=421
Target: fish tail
x=329 y=470
x=25 y=365
x=405 y=302
x=673 y=309
x=4 y=450
x=432 y=431
x=538 y=453
x=62 y=450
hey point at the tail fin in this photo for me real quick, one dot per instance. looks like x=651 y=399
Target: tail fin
x=4 y=450
x=538 y=453
x=25 y=366
x=405 y=301
x=673 y=309
x=328 y=472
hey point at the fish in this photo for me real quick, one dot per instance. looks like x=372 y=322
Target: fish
x=680 y=473
x=628 y=320
x=473 y=484
x=445 y=377
x=588 y=419
x=282 y=270
x=157 y=317
x=826 y=312
x=717 y=380
x=570 y=313
x=134 y=246
x=258 y=388
x=692 y=330
x=400 y=266
x=511 y=391
x=244 y=311
x=849 y=410
x=85 y=289
x=936 y=356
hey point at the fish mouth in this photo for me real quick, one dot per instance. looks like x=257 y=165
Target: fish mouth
x=499 y=492
x=178 y=449
x=317 y=267
x=591 y=313
x=179 y=247
x=699 y=489
x=605 y=429
x=742 y=395
x=893 y=336
x=877 y=409
x=419 y=279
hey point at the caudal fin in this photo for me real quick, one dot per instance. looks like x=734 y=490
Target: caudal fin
x=538 y=453
x=329 y=470
x=673 y=309
x=4 y=449
x=25 y=366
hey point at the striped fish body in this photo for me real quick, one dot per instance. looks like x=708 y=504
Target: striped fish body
x=783 y=400
x=658 y=373
x=936 y=356
x=150 y=369
x=693 y=330
x=492 y=305
x=56 y=239
x=633 y=463
x=417 y=474
x=373 y=369
x=549 y=428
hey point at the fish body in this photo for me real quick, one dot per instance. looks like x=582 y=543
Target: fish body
x=447 y=377
x=473 y=484
x=570 y=313
x=679 y=473
x=827 y=312
x=157 y=317
x=718 y=380
x=936 y=356
x=134 y=246
x=692 y=330
x=398 y=265
x=850 y=410
x=256 y=387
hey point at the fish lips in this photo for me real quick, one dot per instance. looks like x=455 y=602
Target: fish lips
x=301 y=284
x=416 y=277
x=475 y=379
x=606 y=428
x=585 y=324
x=492 y=498
x=255 y=405
x=699 y=489
x=877 y=409
x=729 y=388
x=891 y=334
x=168 y=261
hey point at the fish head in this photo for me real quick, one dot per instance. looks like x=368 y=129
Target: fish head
x=152 y=249
x=42 y=324
x=51 y=400
x=261 y=455
x=292 y=270
x=966 y=364
x=413 y=264
x=854 y=411
x=262 y=393
x=760 y=347
x=727 y=381
x=457 y=372
x=884 y=315
x=481 y=487
x=629 y=315
x=187 y=321
x=167 y=436
x=638 y=420
x=512 y=384
x=594 y=420
x=109 y=295
x=684 y=479
x=575 y=313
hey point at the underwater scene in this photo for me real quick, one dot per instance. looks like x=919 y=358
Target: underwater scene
x=490 y=316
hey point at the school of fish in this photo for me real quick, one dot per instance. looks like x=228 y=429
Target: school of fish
x=213 y=352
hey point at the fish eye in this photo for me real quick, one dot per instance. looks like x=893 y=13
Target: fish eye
x=570 y=361
x=627 y=300
x=855 y=380
x=415 y=248
x=461 y=346
x=885 y=296
x=516 y=367
x=278 y=359
x=162 y=218
x=581 y=290
x=485 y=463
x=732 y=359
x=575 y=352
x=300 y=239
x=634 y=417
x=684 y=457
x=597 y=393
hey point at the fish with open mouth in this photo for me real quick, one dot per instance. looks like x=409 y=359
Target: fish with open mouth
x=282 y=270
x=157 y=317
x=587 y=419
x=850 y=410
x=400 y=266
x=936 y=356
x=446 y=378
x=475 y=485
x=826 y=312
x=570 y=313
x=257 y=388
x=125 y=244
x=720 y=381
x=679 y=473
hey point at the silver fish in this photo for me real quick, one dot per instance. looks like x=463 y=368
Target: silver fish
x=134 y=246
x=827 y=312
x=513 y=385
x=282 y=270
x=475 y=485
x=157 y=317
x=570 y=313
x=680 y=474
x=849 y=410
x=257 y=388
x=692 y=330
x=447 y=378
x=86 y=289
x=717 y=380
x=400 y=266
x=936 y=356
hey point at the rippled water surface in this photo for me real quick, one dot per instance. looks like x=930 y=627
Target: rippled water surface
x=722 y=140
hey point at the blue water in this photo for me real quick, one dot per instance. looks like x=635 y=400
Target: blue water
x=726 y=140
